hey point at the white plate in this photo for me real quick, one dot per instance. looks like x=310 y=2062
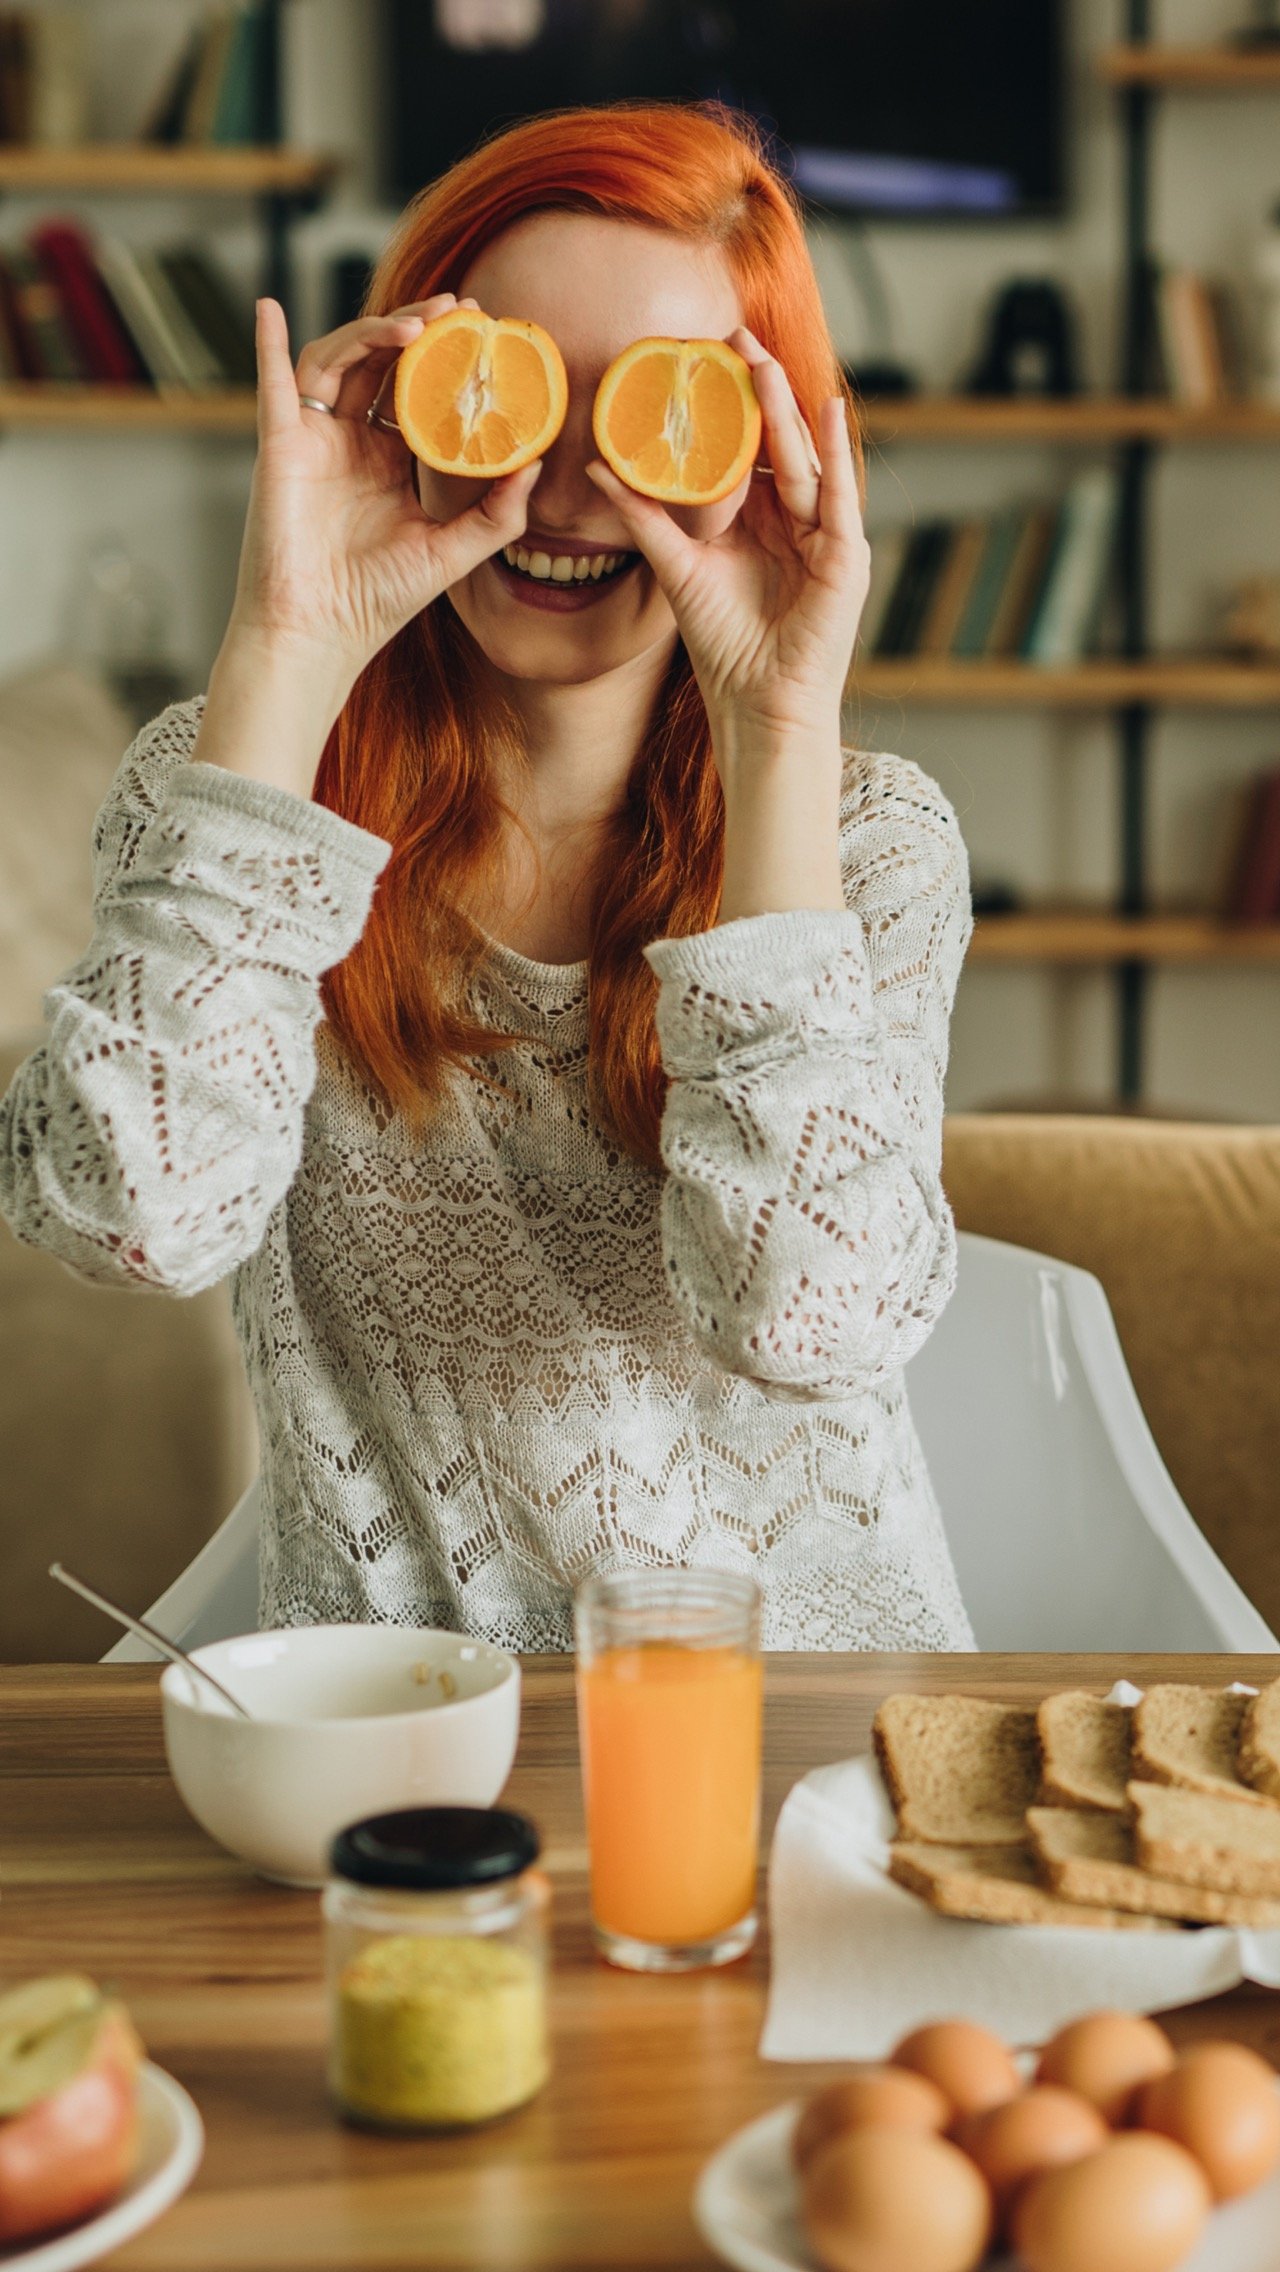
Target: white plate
x=171 y=2146
x=745 y=2208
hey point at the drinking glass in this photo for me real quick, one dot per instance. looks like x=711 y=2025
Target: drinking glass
x=670 y=1723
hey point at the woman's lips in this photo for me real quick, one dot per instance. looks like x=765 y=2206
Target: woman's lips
x=561 y=599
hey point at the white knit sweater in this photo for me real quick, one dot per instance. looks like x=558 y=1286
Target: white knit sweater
x=489 y=1361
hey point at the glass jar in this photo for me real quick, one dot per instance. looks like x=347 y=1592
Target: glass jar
x=436 y=1956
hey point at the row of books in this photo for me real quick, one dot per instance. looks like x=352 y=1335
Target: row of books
x=1253 y=885
x=1194 y=347
x=97 y=311
x=44 y=79
x=1029 y=581
x=221 y=88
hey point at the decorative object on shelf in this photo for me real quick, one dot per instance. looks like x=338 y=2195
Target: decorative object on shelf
x=1030 y=346
x=1251 y=619
x=1252 y=894
x=119 y=625
x=44 y=80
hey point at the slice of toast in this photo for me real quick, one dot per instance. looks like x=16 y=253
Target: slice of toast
x=1188 y=1737
x=1201 y=1840
x=1088 y=1856
x=1258 y=1751
x=960 y=1771
x=995 y=1885
x=1085 y=1745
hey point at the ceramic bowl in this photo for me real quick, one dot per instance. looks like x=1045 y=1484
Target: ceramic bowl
x=349 y=1720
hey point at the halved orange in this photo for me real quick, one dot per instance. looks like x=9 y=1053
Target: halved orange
x=678 y=419
x=480 y=395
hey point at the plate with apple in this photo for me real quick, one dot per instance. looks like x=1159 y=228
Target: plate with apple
x=95 y=2141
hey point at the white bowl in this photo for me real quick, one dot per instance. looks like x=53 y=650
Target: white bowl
x=349 y=1720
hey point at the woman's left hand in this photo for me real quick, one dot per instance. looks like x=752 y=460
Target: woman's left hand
x=769 y=610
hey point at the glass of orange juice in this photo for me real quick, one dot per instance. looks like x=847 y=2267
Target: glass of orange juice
x=670 y=1722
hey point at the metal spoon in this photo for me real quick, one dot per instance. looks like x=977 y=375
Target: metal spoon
x=147 y=1632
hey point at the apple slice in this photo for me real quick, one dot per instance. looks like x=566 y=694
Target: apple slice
x=27 y=2015
x=70 y=2093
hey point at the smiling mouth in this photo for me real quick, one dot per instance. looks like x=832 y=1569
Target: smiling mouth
x=594 y=568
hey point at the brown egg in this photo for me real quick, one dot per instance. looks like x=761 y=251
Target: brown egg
x=889 y=2096
x=1137 y=2205
x=1104 y=2057
x=877 y=2200
x=972 y=2066
x=1039 y=2129
x=1220 y=2101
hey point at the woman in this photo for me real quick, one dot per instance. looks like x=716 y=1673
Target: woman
x=596 y=1219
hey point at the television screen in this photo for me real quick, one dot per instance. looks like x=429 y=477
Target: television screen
x=877 y=107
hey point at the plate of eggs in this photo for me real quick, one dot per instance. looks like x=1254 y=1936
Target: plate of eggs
x=1106 y=2151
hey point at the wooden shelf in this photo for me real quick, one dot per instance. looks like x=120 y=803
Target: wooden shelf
x=1199 y=70
x=1076 y=936
x=225 y=410
x=1083 y=419
x=143 y=168
x=1206 y=683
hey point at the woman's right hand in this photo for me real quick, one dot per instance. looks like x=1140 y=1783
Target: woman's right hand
x=338 y=554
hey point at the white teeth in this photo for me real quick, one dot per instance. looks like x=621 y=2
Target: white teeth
x=564 y=568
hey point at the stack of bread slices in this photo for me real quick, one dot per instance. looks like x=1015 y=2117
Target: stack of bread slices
x=1081 y=1812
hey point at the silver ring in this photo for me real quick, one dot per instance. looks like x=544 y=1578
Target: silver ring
x=313 y=402
x=372 y=418
x=766 y=470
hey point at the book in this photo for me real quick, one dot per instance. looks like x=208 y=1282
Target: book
x=951 y=590
x=13 y=358
x=199 y=366
x=162 y=120
x=143 y=320
x=48 y=344
x=58 y=77
x=1064 y=623
x=210 y=302
x=243 y=105
x=1024 y=580
x=926 y=549
x=1253 y=892
x=15 y=76
x=1189 y=338
x=1003 y=532
x=888 y=551
x=202 y=103
x=66 y=257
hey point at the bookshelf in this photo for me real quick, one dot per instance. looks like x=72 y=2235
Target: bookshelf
x=1137 y=684
x=141 y=169
x=224 y=410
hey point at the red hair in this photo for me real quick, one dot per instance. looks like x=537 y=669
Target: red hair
x=397 y=1004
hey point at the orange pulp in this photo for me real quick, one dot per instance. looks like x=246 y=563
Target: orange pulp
x=671 y=1740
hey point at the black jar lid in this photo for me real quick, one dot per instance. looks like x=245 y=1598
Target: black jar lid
x=435 y=1848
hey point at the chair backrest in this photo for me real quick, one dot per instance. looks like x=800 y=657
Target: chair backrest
x=1066 y=1530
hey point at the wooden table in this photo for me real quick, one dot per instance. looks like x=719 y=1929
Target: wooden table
x=101 y=1868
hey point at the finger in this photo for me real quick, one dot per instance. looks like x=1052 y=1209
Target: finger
x=279 y=410
x=345 y=367
x=460 y=545
x=670 y=553
x=840 y=511
x=791 y=453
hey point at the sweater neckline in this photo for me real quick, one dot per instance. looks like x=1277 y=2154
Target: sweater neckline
x=550 y=983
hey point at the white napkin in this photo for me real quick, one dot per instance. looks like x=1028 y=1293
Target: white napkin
x=857 y=1960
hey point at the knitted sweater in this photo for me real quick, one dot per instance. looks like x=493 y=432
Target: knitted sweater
x=489 y=1360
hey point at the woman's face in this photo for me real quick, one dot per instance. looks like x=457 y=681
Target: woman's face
x=596 y=285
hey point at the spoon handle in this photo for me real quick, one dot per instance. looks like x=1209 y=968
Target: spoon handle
x=146 y=1632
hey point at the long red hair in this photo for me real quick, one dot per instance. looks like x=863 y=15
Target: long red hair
x=411 y=756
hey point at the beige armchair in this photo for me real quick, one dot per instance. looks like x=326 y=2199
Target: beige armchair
x=1181 y=1223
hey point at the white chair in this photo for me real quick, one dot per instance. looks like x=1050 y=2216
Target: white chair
x=1066 y=1529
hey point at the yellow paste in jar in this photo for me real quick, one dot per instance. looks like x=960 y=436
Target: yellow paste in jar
x=439 y=2028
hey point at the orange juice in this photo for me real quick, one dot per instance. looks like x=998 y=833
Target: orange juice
x=670 y=1742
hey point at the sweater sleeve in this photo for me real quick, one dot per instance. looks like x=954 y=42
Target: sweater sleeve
x=806 y=1237
x=149 y=1139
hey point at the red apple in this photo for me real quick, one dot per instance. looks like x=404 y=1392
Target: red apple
x=68 y=2105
